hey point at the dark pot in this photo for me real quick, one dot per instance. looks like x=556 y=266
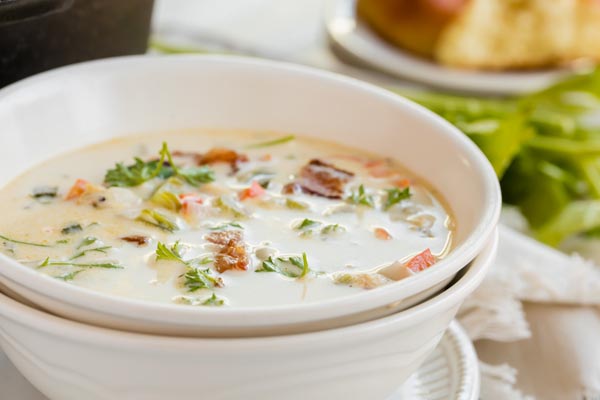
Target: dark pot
x=37 y=35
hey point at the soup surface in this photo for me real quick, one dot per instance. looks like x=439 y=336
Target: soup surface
x=223 y=218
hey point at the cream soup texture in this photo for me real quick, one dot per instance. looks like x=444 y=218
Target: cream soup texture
x=223 y=218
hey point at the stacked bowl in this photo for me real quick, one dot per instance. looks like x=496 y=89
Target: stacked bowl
x=72 y=343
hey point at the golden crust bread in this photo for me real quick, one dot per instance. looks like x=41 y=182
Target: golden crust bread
x=491 y=34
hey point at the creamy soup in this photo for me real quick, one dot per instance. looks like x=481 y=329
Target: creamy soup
x=212 y=218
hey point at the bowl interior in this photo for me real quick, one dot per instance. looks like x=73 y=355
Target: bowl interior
x=75 y=106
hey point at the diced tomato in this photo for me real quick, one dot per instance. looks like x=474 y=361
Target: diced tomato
x=402 y=183
x=382 y=234
x=255 y=190
x=78 y=189
x=266 y=157
x=188 y=200
x=421 y=261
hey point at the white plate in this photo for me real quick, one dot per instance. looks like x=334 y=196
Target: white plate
x=449 y=373
x=351 y=35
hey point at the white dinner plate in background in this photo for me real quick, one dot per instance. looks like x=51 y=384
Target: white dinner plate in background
x=354 y=37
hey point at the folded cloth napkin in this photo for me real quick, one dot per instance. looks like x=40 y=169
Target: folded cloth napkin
x=528 y=271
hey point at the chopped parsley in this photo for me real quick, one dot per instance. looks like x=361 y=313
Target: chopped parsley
x=173 y=253
x=142 y=171
x=332 y=228
x=44 y=194
x=135 y=174
x=292 y=267
x=395 y=196
x=70 y=229
x=194 y=278
x=70 y=275
x=225 y=225
x=213 y=301
x=273 y=142
x=158 y=220
x=306 y=224
x=361 y=197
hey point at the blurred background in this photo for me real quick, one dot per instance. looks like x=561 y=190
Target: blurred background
x=517 y=76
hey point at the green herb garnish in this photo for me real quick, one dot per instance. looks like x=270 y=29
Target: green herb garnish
x=5 y=238
x=274 y=142
x=292 y=267
x=142 y=171
x=158 y=220
x=70 y=229
x=225 y=225
x=173 y=253
x=100 y=249
x=104 y=265
x=196 y=279
x=70 y=275
x=87 y=241
x=44 y=194
x=332 y=228
x=135 y=174
x=306 y=224
x=360 y=197
x=395 y=196
x=213 y=301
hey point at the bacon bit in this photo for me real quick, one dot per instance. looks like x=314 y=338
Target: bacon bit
x=139 y=240
x=232 y=256
x=222 y=155
x=224 y=237
x=291 y=188
x=266 y=157
x=255 y=190
x=188 y=200
x=402 y=183
x=382 y=234
x=232 y=250
x=421 y=261
x=323 y=179
x=79 y=188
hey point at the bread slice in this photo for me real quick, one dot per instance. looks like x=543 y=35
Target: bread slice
x=503 y=34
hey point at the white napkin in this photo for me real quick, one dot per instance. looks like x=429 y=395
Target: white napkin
x=525 y=270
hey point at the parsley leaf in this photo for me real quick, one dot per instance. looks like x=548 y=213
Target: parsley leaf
x=142 y=171
x=100 y=249
x=67 y=230
x=395 y=196
x=196 y=279
x=361 y=197
x=169 y=254
x=282 y=265
x=135 y=174
x=306 y=223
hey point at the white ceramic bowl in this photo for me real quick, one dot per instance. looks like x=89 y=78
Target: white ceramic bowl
x=77 y=105
x=68 y=360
